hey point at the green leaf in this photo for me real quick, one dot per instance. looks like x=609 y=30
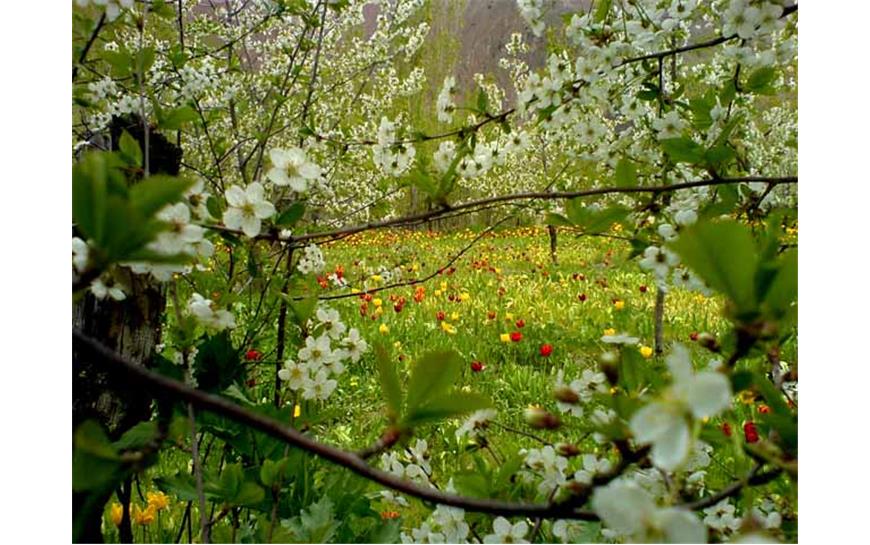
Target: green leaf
x=214 y=206
x=683 y=150
x=181 y=485
x=96 y=463
x=144 y=60
x=130 y=150
x=626 y=173
x=760 y=80
x=432 y=375
x=389 y=379
x=446 y=406
x=175 y=119
x=557 y=219
x=138 y=436
x=155 y=192
x=291 y=214
x=718 y=155
x=601 y=10
x=271 y=470
x=723 y=255
x=482 y=101
x=782 y=291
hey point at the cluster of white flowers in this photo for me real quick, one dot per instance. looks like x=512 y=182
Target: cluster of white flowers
x=671 y=125
x=483 y=158
x=476 y=423
x=206 y=312
x=394 y=159
x=445 y=525
x=319 y=359
x=292 y=167
x=505 y=532
x=571 y=397
x=247 y=208
x=311 y=260
x=444 y=105
x=412 y=465
x=664 y=423
x=103 y=89
x=195 y=81
x=631 y=514
x=445 y=155
x=749 y=19
x=532 y=12
x=113 y=7
x=548 y=466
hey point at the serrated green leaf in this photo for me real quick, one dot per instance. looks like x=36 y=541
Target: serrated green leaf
x=389 y=378
x=601 y=10
x=138 y=436
x=445 y=406
x=291 y=214
x=155 y=192
x=683 y=150
x=723 y=255
x=760 y=80
x=431 y=376
x=130 y=150
x=626 y=173
x=176 y=118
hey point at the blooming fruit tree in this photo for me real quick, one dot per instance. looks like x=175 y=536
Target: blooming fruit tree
x=222 y=148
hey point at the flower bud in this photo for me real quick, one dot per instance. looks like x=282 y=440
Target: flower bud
x=709 y=342
x=609 y=363
x=565 y=394
x=567 y=450
x=537 y=417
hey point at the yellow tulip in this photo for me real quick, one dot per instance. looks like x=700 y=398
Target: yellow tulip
x=384 y=329
x=116 y=513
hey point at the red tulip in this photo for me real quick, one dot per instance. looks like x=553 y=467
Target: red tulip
x=726 y=429
x=252 y=355
x=546 y=350
x=521 y=323
x=516 y=336
x=477 y=366
x=582 y=297
x=440 y=316
x=750 y=432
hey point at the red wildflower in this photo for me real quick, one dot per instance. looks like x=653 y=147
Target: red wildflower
x=521 y=323
x=726 y=429
x=477 y=366
x=440 y=316
x=516 y=336
x=546 y=350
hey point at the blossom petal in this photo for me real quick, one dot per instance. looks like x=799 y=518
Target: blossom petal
x=709 y=394
x=235 y=196
x=651 y=422
x=233 y=217
x=681 y=526
x=671 y=450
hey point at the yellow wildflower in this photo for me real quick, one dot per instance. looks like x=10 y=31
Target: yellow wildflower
x=646 y=352
x=610 y=331
x=158 y=500
x=297 y=411
x=454 y=316
x=464 y=296
x=377 y=278
x=448 y=328
x=116 y=513
x=509 y=316
x=505 y=338
x=384 y=329
x=619 y=304
x=437 y=293
x=144 y=516
x=377 y=302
